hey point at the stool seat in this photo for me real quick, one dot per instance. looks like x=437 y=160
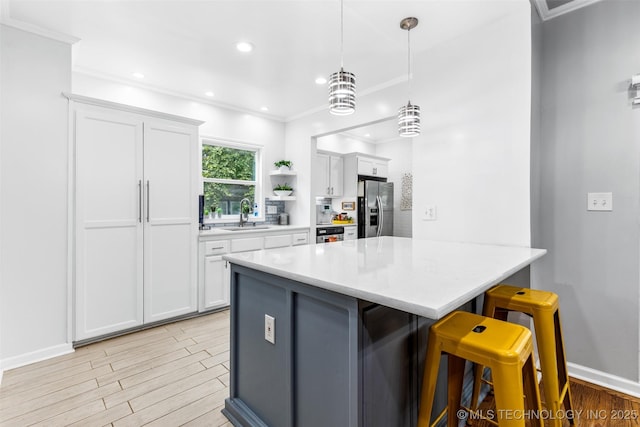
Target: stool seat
x=505 y=347
x=544 y=308
x=524 y=300
x=479 y=338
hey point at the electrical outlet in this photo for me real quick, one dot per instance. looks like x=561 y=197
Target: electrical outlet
x=430 y=213
x=272 y=209
x=270 y=329
x=599 y=201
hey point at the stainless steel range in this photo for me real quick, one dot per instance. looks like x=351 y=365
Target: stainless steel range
x=329 y=234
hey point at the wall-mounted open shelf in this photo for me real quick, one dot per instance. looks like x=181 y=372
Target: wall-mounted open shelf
x=283 y=173
x=285 y=198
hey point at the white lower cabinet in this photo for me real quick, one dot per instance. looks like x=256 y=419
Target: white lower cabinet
x=215 y=272
x=277 y=241
x=351 y=232
x=216 y=283
x=300 y=239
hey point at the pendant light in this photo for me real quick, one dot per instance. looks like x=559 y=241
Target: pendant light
x=409 y=115
x=342 y=84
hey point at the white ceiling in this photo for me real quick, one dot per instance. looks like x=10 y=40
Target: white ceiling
x=188 y=47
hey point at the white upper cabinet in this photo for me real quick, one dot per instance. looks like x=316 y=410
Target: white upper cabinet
x=136 y=216
x=362 y=165
x=373 y=167
x=328 y=175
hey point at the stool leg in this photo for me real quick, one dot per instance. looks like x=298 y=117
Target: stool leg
x=562 y=366
x=546 y=337
x=454 y=389
x=509 y=397
x=531 y=390
x=429 y=379
x=478 y=371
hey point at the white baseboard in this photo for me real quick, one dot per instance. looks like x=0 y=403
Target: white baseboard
x=34 y=356
x=604 y=379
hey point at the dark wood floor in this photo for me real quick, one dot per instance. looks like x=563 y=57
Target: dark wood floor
x=594 y=406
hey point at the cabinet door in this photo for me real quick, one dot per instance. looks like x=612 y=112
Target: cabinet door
x=365 y=166
x=170 y=222
x=277 y=241
x=300 y=239
x=380 y=169
x=321 y=183
x=336 y=175
x=351 y=233
x=109 y=243
x=216 y=282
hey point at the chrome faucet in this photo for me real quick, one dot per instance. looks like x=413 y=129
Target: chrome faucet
x=242 y=220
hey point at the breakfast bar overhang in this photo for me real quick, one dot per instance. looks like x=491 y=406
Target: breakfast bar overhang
x=350 y=321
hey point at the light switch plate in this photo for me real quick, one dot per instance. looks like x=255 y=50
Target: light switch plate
x=599 y=201
x=430 y=213
x=270 y=328
x=272 y=209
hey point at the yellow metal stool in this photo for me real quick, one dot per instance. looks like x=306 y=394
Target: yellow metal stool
x=506 y=348
x=543 y=306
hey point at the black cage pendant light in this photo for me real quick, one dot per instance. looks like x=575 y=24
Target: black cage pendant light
x=342 y=84
x=409 y=115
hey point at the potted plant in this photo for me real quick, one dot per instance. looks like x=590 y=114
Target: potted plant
x=284 y=165
x=219 y=212
x=282 y=189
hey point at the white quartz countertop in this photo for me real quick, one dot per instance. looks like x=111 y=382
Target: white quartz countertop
x=259 y=228
x=423 y=277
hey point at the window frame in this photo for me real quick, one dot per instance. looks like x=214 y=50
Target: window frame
x=257 y=183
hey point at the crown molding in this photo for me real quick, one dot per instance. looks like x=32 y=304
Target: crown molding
x=158 y=89
x=545 y=13
x=40 y=31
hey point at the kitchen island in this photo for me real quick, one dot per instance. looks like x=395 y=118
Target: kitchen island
x=349 y=326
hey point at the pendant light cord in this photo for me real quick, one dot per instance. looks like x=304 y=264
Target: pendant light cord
x=341 y=34
x=409 y=63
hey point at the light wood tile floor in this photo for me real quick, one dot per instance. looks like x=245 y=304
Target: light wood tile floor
x=171 y=375
x=178 y=375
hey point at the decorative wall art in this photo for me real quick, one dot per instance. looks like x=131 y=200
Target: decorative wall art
x=406 y=192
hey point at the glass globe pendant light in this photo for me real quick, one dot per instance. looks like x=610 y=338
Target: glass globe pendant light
x=409 y=115
x=342 y=84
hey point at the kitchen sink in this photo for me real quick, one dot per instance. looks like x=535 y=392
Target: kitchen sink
x=247 y=228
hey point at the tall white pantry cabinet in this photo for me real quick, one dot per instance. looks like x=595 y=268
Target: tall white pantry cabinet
x=136 y=216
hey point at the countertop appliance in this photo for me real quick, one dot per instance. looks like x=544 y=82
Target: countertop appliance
x=375 y=208
x=329 y=234
x=324 y=214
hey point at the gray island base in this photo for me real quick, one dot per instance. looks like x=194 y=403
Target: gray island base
x=350 y=326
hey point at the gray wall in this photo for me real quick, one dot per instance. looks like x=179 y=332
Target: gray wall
x=589 y=142
x=33 y=197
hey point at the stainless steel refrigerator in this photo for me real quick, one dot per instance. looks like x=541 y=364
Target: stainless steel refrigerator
x=375 y=209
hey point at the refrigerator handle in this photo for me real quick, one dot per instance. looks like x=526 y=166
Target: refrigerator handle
x=380 y=216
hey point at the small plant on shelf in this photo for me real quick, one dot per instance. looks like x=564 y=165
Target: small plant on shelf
x=282 y=164
x=282 y=189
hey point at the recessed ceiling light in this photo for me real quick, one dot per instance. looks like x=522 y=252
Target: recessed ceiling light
x=367 y=135
x=264 y=108
x=138 y=75
x=321 y=80
x=244 y=46
x=209 y=93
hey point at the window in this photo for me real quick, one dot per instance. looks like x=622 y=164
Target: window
x=230 y=173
